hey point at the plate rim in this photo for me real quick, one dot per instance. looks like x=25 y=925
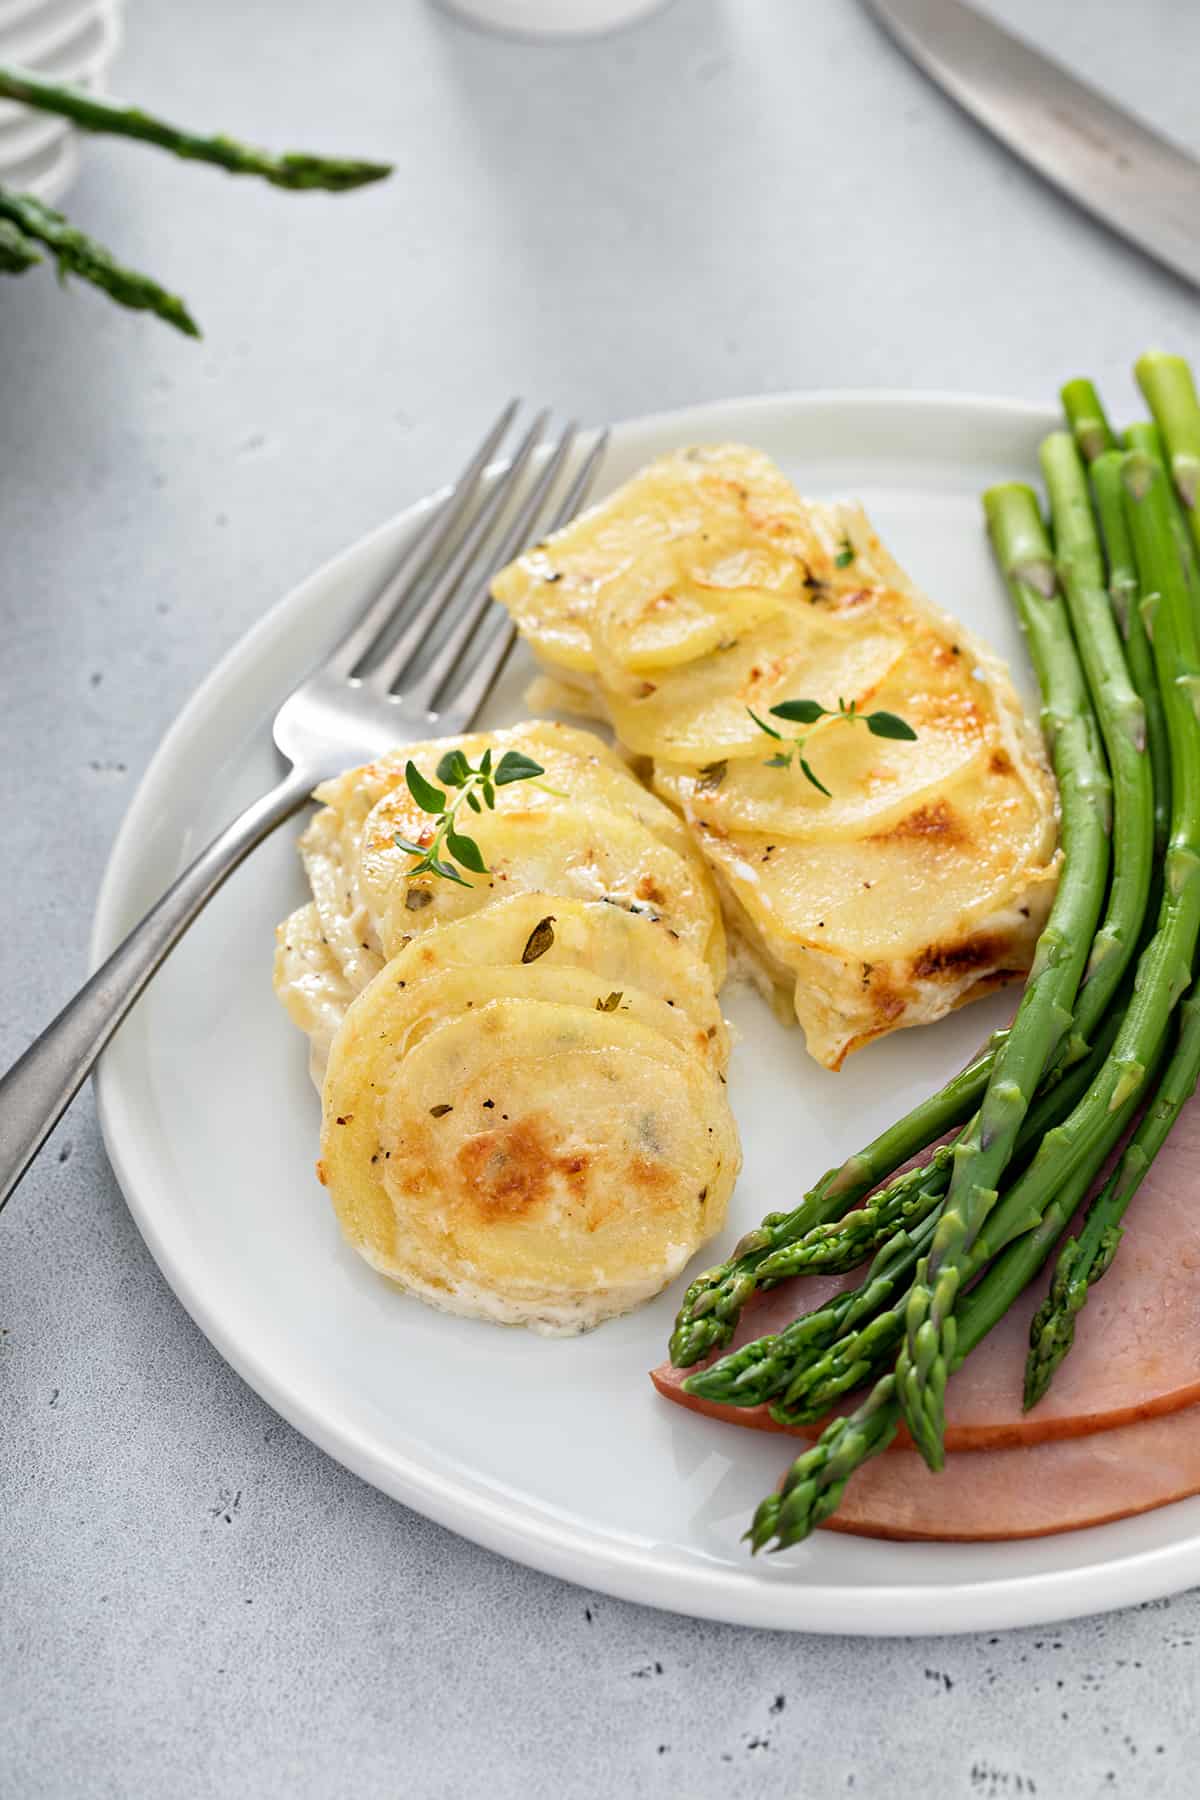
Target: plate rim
x=511 y=1528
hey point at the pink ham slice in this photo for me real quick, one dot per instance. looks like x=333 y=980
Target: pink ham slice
x=1137 y=1348
x=1030 y=1492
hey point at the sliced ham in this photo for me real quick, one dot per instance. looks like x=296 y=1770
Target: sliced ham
x=1137 y=1347
x=1033 y=1491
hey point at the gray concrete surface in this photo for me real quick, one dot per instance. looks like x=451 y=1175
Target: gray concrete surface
x=739 y=196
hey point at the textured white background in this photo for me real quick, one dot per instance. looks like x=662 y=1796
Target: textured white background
x=738 y=196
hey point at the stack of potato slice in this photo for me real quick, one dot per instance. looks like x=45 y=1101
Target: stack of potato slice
x=706 y=587
x=524 y=1109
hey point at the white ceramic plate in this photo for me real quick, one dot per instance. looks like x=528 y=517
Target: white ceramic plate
x=557 y=1453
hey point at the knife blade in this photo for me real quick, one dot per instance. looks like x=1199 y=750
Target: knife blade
x=1126 y=175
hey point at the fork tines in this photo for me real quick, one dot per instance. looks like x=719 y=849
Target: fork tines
x=433 y=636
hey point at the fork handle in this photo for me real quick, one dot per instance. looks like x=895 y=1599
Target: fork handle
x=41 y=1085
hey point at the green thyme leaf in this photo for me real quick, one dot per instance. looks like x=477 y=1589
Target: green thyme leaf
x=515 y=766
x=447 y=871
x=783 y=761
x=427 y=797
x=889 y=725
x=465 y=850
x=816 y=783
x=763 y=726
x=845 y=555
x=799 y=712
x=474 y=786
x=454 y=769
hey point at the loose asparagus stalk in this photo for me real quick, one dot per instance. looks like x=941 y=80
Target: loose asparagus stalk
x=813 y=1487
x=761 y=1370
x=713 y=1301
x=1045 y=1013
x=92 y=112
x=17 y=252
x=1119 y=710
x=77 y=254
x=1083 y=1260
x=1123 y=594
x=1089 y=424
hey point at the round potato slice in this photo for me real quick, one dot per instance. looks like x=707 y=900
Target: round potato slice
x=623 y=950
x=900 y=925
x=420 y=1005
x=582 y=852
x=697 y=713
x=576 y=762
x=527 y=1162
x=355 y=792
x=961 y=720
x=920 y=883
x=676 y=610
x=702 y=545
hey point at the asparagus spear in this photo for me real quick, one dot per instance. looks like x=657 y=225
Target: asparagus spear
x=1146 y=436
x=844 y=1243
x=1123 y=595
x=1089 y=424
x=93 y=112
x=1045 y=1012
x=17 y=251
x=76 y=254
x=758 y=1371
x=1083 y=1260
x=1166 y=381
x=1119 y=710
x=813 y=1361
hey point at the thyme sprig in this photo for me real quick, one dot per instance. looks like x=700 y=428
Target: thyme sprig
x=809 y=712
x=474 y=786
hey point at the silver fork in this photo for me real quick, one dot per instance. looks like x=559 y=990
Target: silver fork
x=421 y=659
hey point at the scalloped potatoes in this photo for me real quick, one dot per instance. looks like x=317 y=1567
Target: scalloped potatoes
x=924 y=876
x=523 y=1080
